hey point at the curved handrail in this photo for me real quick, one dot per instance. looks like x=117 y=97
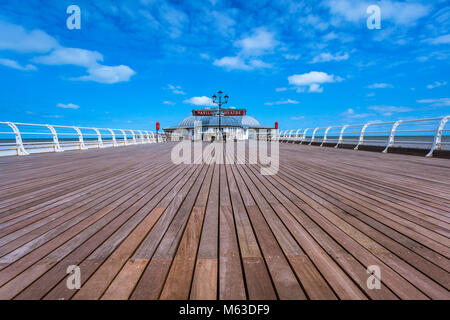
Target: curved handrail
x=74 y=138
x=391 y=134
x=437 y=142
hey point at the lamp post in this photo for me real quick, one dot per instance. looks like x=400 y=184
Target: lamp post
x=220 y=103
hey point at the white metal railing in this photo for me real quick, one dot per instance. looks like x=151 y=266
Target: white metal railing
x=25 y=138
x=401 y=133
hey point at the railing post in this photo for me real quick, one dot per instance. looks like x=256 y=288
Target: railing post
x=392 y=136
x=124 y=136
x=304 y=135
x=56 y=146
x=153 y=137
x=361 y=137
x=313 y=135
x=141 y=136
x=134 y=136
x=147 y=137
x=99 y=137
x=325 y=136
x=20 y=149
x=81 y=144
x=297 y=132
x=114 y=142
x=437 y=143
x=341 y=136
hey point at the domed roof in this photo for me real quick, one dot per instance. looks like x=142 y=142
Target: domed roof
x=226 y=121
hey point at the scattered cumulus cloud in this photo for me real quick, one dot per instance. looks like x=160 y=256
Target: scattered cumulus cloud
x=437 y=84
x=259 y=42
x=71 y=56
x=169 y=103
x=440 y=102
x=238 y=63
x=68 y=106
x=15 y=65
x=444 y=39
x=390 y=110
x=16 y=38
x=176 y=89
x=399 y=13
x=380 y=86
x=326 y=57
x=108 y=75
x=313 y=80
x=292 y=56
x=200 y=101
x=314 y=21
x=297 y=118
x=351 y=114
x=288 y=101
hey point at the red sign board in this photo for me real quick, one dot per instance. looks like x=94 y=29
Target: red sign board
x=225 y=112
x=157 y=126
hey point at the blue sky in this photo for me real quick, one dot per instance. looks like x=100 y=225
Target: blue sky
x=301 y=63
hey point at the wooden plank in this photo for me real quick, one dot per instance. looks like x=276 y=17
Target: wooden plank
x=141 y=227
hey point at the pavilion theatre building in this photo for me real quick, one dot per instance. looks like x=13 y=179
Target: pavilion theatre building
x=235 y=124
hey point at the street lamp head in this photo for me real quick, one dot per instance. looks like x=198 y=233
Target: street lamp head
x=214 y=97
x=226 y=98
x=220 y=93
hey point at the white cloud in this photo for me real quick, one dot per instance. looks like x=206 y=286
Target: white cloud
x=444 y=39
x=326 y=57
x=223 y=23
x=440 y=102
x=292 y=56
x=390 y=110
x=72 y=56
x=288 y=101
x=232 y=63
x=176 y=20
x=200 y=101
x=297 y=118
x=108 y=75
x=312 y=80
x=169 y=103
x=342 y=37
x=437 y=84
x=380 y=86
x=315 y=21
x=400 y=13
x=15 y=65
x=351 y=114
x=259 y=42
x=176 y=89
x=315 y=88
x=237 y=63
x=259 y=64
x=280 y=89
x=53 y=116
x=68 y=106
x=16 y=38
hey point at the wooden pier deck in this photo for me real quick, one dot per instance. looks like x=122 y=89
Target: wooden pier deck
x=140 y=227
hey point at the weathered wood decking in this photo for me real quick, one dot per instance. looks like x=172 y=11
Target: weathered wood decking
x=141 y=227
